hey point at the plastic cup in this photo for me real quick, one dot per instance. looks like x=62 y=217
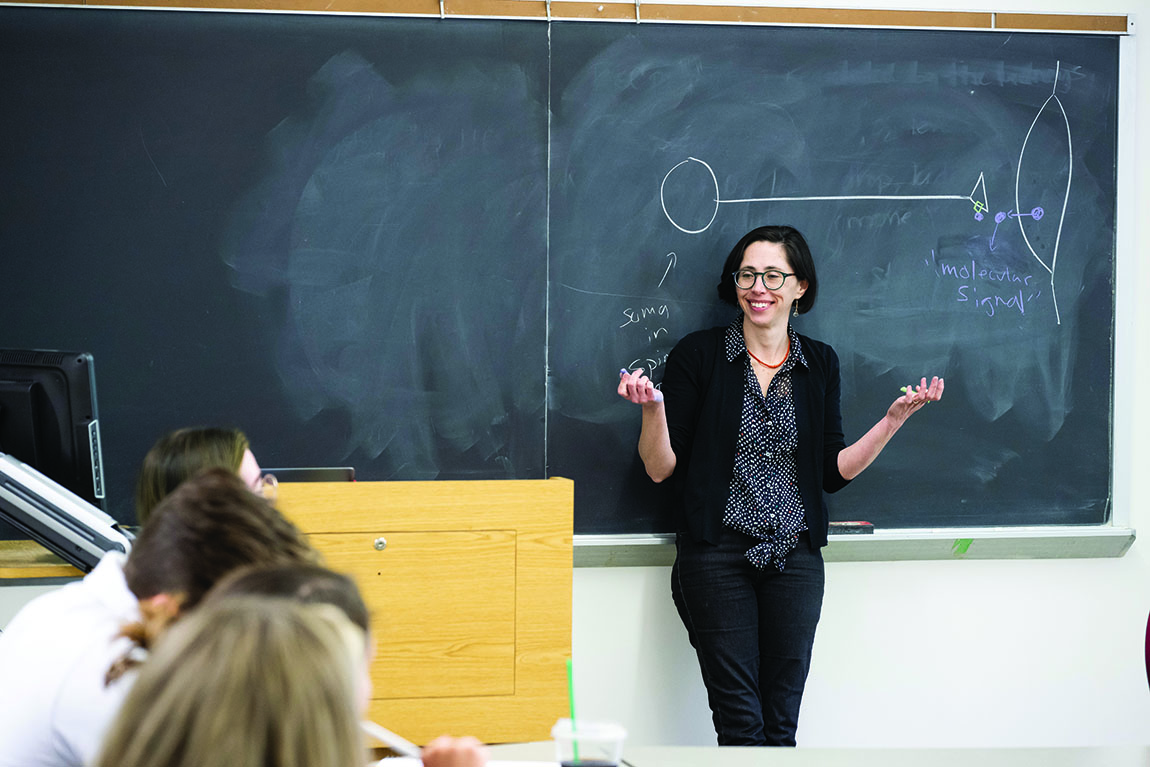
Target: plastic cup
x=589 y=744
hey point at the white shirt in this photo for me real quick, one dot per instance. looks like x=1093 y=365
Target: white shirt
x=54 y=705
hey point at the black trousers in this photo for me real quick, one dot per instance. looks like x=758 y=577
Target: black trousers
x=752 y=631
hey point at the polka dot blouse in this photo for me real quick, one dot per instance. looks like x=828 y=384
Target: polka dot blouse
x=764 y=501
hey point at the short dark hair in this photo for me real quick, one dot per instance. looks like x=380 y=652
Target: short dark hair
x=798 y=256
x=308 y=583
x=207 y=527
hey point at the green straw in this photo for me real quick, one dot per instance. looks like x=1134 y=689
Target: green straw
x=571 y=702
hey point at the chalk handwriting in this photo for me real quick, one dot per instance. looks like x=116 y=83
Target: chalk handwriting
x=989 y=288
x=672 y=259
x=649 y=364
x=972 y=270
x=699 y=174
x=1035 y=213
x=1050 y=267
x=976 y=194
x=990 y=304
x=642 y=313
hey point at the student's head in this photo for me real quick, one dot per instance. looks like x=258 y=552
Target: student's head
x=309 y=584
x=207 y=527
x=303 y=582
x=184 y=453
x=798 y=255
x=246 y=682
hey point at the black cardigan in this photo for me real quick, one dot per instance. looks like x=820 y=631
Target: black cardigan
x=703 y=395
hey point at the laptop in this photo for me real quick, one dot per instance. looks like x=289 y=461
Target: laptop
x=56 y=518
x=314 y=474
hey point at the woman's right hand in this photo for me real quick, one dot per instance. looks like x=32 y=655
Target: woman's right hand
x=638 y=388
x=654 y=437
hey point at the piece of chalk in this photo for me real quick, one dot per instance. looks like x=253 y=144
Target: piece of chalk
x=622 y=371
x=907 y=390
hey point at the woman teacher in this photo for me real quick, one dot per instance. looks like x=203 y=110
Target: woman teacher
x=747 y=421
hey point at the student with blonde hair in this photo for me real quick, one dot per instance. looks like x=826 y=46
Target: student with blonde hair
x=246 y=682
x=314 y=584
x=252 y=681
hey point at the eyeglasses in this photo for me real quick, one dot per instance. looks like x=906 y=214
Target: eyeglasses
x=773 y=279
x=267 y=487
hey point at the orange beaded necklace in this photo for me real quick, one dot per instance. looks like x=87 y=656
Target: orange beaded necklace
x=767 y=364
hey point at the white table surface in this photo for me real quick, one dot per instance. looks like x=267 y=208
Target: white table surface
x=703 y=756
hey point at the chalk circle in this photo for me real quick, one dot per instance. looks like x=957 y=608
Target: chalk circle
x=705 y=184
x=1037 y=213
x=999 y=217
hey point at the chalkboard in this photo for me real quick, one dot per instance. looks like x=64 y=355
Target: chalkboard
x=948 y=156
x=425 y=247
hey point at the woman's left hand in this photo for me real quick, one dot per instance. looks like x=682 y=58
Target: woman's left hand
x=914 y=397
x=856 y=457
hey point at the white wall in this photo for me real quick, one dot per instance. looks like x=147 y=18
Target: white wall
x=962 y=653
x=12 y=598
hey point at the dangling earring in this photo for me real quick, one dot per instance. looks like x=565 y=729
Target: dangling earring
x=796 y=305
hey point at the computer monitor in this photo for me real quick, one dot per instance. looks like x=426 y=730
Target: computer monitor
x=48 y=418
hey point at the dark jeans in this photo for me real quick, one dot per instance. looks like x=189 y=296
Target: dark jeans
x=752 y=631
